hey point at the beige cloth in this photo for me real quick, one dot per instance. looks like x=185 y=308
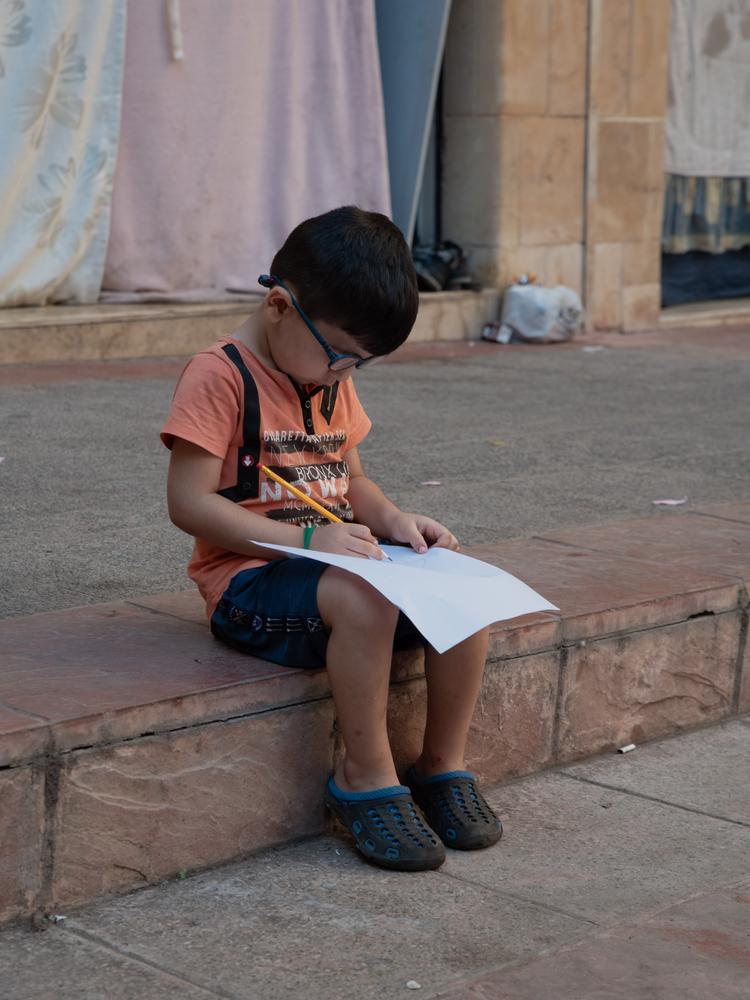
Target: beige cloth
x=60 y=86
x=708 y=114
x=274 y=114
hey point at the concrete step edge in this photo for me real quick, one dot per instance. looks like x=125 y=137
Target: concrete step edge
x=107 y=819
x=158 y=329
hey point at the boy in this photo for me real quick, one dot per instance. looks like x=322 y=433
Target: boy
x=341 y=293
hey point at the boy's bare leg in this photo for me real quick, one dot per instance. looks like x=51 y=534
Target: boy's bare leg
x=453 y=682
x=358 y=660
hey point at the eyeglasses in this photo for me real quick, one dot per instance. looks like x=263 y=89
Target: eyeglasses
x=336 y=362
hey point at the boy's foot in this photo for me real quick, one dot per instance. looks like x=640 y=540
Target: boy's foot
x=456 y=809
x=387 y=827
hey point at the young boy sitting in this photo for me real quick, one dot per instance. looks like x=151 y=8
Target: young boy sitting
x=341 y=293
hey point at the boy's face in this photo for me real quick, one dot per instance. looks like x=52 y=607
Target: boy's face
x=295 y=350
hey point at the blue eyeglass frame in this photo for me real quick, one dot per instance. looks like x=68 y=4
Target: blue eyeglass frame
x=353 y=360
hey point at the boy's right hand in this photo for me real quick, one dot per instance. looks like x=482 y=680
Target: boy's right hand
x=346 y=540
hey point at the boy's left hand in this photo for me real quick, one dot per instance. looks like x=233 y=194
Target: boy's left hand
x=421 y=532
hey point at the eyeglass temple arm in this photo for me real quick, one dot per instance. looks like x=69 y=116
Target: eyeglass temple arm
x=268 y=281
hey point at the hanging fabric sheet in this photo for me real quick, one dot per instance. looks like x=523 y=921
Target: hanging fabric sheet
x=60 y=86
x=239 y=120
x=708 y=112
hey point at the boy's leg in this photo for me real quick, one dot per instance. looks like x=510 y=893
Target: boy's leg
x=446 y=791
x=365 y=793
x=358 y=660
x=453 y=682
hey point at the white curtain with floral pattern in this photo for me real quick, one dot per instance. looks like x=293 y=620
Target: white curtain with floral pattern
x=61 y=64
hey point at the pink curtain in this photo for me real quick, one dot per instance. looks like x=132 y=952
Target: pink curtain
x=274 y=114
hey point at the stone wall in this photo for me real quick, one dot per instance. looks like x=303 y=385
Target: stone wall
x=625 y=176
x=553 y=157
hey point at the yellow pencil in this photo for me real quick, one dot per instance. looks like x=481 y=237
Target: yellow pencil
x=308 y=500
x=301 y=496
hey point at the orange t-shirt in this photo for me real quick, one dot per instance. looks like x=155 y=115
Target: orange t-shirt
x=207 y=410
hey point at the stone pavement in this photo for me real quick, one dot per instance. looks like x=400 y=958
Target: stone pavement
x=627 y=876
x=521 y=440
x=129 y=737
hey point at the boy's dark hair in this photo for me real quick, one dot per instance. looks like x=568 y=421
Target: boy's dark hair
x=353 y=269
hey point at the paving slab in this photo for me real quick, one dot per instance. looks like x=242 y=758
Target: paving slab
x=115 y=670
x=739 y=511
x=599 y=593
x=591 y=879
x=314 y=921
x=21 y=735
x=511 y=732
x=648 y=683
x=710 y=772
x=21 y=826
x=185 y=604
x=51 y=965
x=144 y=809
x=600 y=853
x=744 y=695
x=708 y=544
x=697 y=949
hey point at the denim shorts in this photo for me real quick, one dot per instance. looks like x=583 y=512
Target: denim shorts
x=272 y=612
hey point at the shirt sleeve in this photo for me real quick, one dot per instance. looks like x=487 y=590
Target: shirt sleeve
x=206 y=405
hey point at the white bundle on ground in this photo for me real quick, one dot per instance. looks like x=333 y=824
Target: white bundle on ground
x=533 y=313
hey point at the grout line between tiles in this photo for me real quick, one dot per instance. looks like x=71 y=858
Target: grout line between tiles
x=604 y=931
x=719 y=517
x=139 y=960
x=134 y=603
x=727 y=577
x=520 y=898
x=655 y=798
x=60 y=753
x=562 y=669
x=24 y=711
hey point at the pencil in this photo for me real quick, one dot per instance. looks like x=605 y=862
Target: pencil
x=301 y=496
x=308 y=500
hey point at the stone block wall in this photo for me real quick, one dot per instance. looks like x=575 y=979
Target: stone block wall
x=553 y=155
x=625 y=175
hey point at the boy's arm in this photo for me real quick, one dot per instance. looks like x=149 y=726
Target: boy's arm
x=196 y=507
x=373 y=508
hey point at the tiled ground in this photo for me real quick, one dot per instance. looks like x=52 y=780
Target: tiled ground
x=611 y=880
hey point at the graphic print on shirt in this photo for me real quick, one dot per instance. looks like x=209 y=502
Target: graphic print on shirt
x=324 y=481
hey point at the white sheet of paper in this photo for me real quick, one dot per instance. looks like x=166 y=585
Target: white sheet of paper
x=447 y=595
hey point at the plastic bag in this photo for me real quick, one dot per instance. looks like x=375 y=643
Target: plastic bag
x=535 y=314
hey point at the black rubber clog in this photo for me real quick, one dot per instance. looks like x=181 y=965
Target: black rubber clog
x=387 y=827
x=456 y=809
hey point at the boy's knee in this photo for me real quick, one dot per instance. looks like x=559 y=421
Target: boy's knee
x=345 y=598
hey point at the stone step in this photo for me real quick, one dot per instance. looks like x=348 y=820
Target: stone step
x=155 y=329
x=715 y=313
x=133 y=747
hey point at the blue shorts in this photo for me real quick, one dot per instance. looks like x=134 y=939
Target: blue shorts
x=272 y=612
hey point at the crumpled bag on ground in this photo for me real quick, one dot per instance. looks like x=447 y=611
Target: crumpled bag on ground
x=535 y=314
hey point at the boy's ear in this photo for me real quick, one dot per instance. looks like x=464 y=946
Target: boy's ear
x=276 y=304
